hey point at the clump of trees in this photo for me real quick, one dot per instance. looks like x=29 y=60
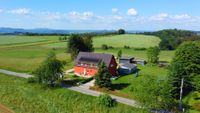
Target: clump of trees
x=152 y=54
x=77 y=43
x=64 y=38
x=102 y=78
x=185 y=66
x=121 y=31
x=50 y=71
x=172 y=38
x=105 y=100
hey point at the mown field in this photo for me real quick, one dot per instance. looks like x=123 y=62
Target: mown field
x=23 y=97
x=134 y=41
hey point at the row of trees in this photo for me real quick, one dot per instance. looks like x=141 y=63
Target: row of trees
x=172 y=38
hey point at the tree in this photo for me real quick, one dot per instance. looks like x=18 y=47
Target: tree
x=103 y=76
x=121 y=31
x=185 y=64
x=154 y=94
x=49 y=71
x=77 y=43
x=152 y=54
x=88 y=43
x=119 y=54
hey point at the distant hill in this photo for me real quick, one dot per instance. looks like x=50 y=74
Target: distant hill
x=5 y=30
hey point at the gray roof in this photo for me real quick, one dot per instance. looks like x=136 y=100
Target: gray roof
x=94 y=58
x=128 y=65
x=126 y=58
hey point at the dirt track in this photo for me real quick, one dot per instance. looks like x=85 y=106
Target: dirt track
x=4 y=109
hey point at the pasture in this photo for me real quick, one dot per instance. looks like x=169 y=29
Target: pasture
x=23 y=97
x=134 y=41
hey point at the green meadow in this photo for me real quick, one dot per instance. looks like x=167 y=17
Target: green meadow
x=23 y=97
x=134 y=41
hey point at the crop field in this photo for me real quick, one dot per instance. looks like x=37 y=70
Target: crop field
x=22 y=97
x=134 y=41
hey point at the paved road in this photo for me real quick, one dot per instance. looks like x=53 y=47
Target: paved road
x=22 y=75
x=82 y=89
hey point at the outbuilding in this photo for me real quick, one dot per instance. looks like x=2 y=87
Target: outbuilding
x=127 y=68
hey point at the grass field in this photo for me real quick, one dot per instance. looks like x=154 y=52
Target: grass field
x=138 y=54
x=126 y=84
x=135 y=41
x=22 y=97
x=193 y=102
x=27 y=59
x=10 y=40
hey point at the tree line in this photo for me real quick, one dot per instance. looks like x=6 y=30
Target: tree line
x=172 y=38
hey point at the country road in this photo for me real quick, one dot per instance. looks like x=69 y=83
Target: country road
x=80 y=89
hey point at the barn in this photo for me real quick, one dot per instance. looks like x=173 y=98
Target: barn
x=86 y=63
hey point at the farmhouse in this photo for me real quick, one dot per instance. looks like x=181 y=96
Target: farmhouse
x=86 y=63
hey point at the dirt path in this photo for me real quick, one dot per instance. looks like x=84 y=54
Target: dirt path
x=4 y=109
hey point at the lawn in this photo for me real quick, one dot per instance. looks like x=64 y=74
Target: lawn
x=135 y=41
x=126 y=84
x=22 y=97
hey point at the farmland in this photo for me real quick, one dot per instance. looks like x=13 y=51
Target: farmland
x=32 y=98
x=25 y=56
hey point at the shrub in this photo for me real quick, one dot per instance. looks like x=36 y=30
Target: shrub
x=126 y=47
x=110 y=47
x=140 y=49
x=31 y=80
x=105 y=100
x=104 y=47
x=86 y=80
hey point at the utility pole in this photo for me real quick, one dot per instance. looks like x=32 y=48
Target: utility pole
x=181 y=94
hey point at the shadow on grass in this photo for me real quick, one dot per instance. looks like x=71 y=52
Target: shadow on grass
x=119 y=86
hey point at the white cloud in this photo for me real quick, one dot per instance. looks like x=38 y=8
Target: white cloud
x=183 y=16
x=82 y=16
x=160 y=17
x=115 y=10
x=20 y=11
x=132 y=12
x=88 y=14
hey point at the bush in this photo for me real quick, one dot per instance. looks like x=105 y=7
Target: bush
x=106 y=100
x=31 y=80
x=104 y=47
x=110 y=47
x=86 y=80
x=126 y=47
x=140 y=49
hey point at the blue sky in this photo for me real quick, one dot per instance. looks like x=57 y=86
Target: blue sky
x=101 y=14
